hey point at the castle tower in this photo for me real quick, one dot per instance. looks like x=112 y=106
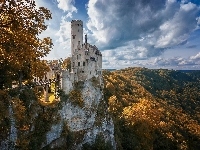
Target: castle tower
x=76 y=35
x=86 y=60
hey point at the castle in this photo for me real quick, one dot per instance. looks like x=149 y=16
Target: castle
x=86 y=59
x=86 y=62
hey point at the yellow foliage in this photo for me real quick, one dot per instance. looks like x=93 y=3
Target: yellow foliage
x=20 y=46
x=155 y=106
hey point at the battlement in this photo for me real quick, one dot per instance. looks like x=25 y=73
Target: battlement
x=76 y=21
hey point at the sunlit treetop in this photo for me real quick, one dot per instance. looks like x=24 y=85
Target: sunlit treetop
x=20 y=46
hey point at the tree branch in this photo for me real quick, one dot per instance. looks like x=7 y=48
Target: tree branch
x=2 y=2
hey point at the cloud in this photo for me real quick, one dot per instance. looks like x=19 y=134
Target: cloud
x=196 y=57
x=64 y=40
x=192 y=62
x=63 y=35
x=176 y=61
x=67 y=5
x=177 y=30
x=141 y=29
x=117 y=61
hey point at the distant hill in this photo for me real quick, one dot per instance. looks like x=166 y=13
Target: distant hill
x=109 y=69
x=154 y=108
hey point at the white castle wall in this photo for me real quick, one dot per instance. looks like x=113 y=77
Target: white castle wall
x=86 y=60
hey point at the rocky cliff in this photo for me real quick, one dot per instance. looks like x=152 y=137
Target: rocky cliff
x=80 y=120
x=84 y=114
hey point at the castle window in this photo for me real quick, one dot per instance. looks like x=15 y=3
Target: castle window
x=78 y=24
x=73 y=36
x=78 y=63
x=82 y=71
x=77 y=57
x=83 y=63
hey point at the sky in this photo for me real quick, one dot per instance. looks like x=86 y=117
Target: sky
x=130 y=33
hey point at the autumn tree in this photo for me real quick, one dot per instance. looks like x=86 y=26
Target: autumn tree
x=21 y=48
x=154 y=109
x=66 y=64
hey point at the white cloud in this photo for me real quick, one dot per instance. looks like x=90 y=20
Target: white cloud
x=177 y=30
x=63 y=39
x=192 y=62
x=67 y=5
x=196 y=57
x=140 y=29
x=118 y=60
x=63 y=35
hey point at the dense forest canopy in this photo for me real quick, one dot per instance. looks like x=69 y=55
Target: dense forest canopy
x=154 y=109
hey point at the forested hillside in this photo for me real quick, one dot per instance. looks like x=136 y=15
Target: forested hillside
x=154 y=109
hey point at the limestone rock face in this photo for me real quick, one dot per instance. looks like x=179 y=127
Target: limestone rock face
x=77 y=121
x=86 y=121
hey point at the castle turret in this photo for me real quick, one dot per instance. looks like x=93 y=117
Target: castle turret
x=76 y=35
